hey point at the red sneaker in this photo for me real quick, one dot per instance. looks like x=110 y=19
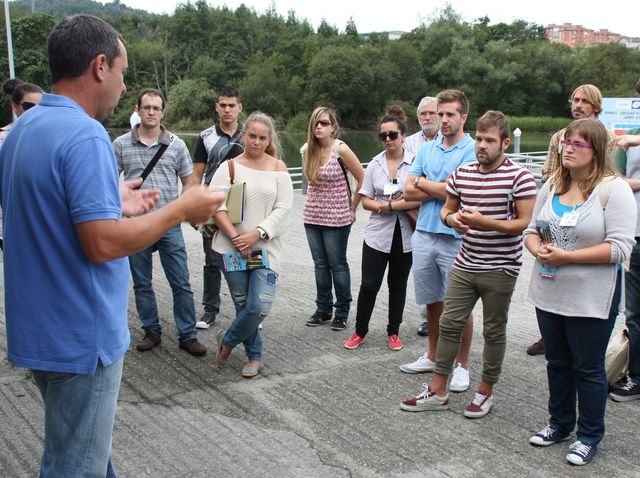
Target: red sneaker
x=353 y=342
x=395 y=343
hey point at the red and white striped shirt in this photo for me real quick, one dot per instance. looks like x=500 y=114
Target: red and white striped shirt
x=492 y=194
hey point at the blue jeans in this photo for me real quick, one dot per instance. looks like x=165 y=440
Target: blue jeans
x=574 y=349
x=633 y=313
x=173 y=257
x=211 y=278
x=253 y=293
x=79 y=412
x=328 y=247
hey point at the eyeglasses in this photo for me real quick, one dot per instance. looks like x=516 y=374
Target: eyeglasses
x=392 y=135
x=26 y=105
x=575 y=144
x=151 y=107
x=324 y=122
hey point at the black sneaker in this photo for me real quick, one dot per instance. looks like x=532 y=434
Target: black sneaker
x=339 y=324
x=423 y=329
x=206 y=321
x=318 y=318
x=625 y=390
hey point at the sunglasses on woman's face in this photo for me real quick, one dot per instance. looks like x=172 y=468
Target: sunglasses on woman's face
x=27 y=105
x=324 y=123
x=392 y=135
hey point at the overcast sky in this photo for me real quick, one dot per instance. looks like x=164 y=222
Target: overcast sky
x=371 y=15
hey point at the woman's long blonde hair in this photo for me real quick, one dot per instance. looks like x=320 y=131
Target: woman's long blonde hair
x=273 y=148
x=312 y=159
x=594 y=132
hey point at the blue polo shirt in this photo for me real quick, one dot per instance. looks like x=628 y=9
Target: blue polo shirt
x=436 y=162
x=63 y=312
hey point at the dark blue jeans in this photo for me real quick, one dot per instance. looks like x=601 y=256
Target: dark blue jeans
x=328 y=247
x=633 y=313
x=575 y=349
x=173 y=257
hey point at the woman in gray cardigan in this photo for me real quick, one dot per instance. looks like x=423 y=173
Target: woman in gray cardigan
x=580 y=234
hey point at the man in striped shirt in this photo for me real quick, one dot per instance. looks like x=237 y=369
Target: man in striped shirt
x=489 y=202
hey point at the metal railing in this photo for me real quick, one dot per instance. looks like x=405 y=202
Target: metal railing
x=532 y=161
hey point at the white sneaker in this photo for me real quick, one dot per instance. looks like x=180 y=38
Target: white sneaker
x=459 y=379
x=422 y=365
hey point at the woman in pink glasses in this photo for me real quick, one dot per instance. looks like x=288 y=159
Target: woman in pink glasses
x=580 y=234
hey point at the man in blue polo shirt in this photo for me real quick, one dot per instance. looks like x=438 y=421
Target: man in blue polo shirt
x=66 y=272
x=434 y=245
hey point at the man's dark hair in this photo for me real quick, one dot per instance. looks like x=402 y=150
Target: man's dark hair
x=494 y=119
x=229 y=92
x=152 y=92
x=76 y=41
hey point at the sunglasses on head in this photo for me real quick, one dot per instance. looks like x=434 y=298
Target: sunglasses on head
x=324 y=122
x=392 y=135
x=27 y=105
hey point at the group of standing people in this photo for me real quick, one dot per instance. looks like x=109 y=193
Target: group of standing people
x=474 y=204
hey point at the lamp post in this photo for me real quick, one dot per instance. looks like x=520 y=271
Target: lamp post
x=7 y=19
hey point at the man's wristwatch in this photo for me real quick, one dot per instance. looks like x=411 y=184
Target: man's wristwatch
x=416 y=181
x=263 y=234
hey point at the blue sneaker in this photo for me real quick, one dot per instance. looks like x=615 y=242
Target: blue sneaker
x=548 y=436
x=581 y=453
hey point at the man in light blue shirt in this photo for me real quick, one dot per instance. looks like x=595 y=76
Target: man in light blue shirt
x=435 y=245
x=66 y=242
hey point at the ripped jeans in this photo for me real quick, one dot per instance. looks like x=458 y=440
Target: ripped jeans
x=253 y=293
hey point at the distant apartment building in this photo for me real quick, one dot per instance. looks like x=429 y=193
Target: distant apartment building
x=579 y=36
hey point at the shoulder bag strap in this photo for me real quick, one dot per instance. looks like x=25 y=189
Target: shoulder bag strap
x=336 y=150
x=232 y=171
x=153 y=162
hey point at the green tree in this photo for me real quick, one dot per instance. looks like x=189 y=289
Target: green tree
x=190 y=104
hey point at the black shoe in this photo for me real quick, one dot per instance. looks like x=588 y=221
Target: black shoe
x=625 y=390
x=318 y=318
x=339 y=324
x=423 y=329
x=207 y=320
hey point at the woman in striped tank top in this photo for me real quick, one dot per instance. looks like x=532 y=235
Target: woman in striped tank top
x=329 y=211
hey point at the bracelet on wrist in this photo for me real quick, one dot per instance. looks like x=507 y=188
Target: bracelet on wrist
x=444 y=219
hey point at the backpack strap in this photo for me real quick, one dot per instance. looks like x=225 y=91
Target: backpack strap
x=605 y=187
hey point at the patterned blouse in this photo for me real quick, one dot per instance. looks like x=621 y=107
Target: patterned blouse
x=327 y=202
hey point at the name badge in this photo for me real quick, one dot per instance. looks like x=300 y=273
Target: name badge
x=569 y=219
x=390 y=189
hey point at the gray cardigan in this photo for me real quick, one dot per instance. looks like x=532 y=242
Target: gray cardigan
x=585 y=290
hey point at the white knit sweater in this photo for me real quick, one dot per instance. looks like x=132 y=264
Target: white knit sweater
x=268 y=199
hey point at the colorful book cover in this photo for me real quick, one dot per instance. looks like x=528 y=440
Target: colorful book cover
x=233 y=261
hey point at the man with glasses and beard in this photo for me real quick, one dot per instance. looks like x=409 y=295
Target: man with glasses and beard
x=215 y=145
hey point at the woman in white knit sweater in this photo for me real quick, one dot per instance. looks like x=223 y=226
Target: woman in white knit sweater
x=580 y=234
x=268 y=199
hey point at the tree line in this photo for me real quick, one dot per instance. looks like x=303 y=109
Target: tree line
x=285 y=67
